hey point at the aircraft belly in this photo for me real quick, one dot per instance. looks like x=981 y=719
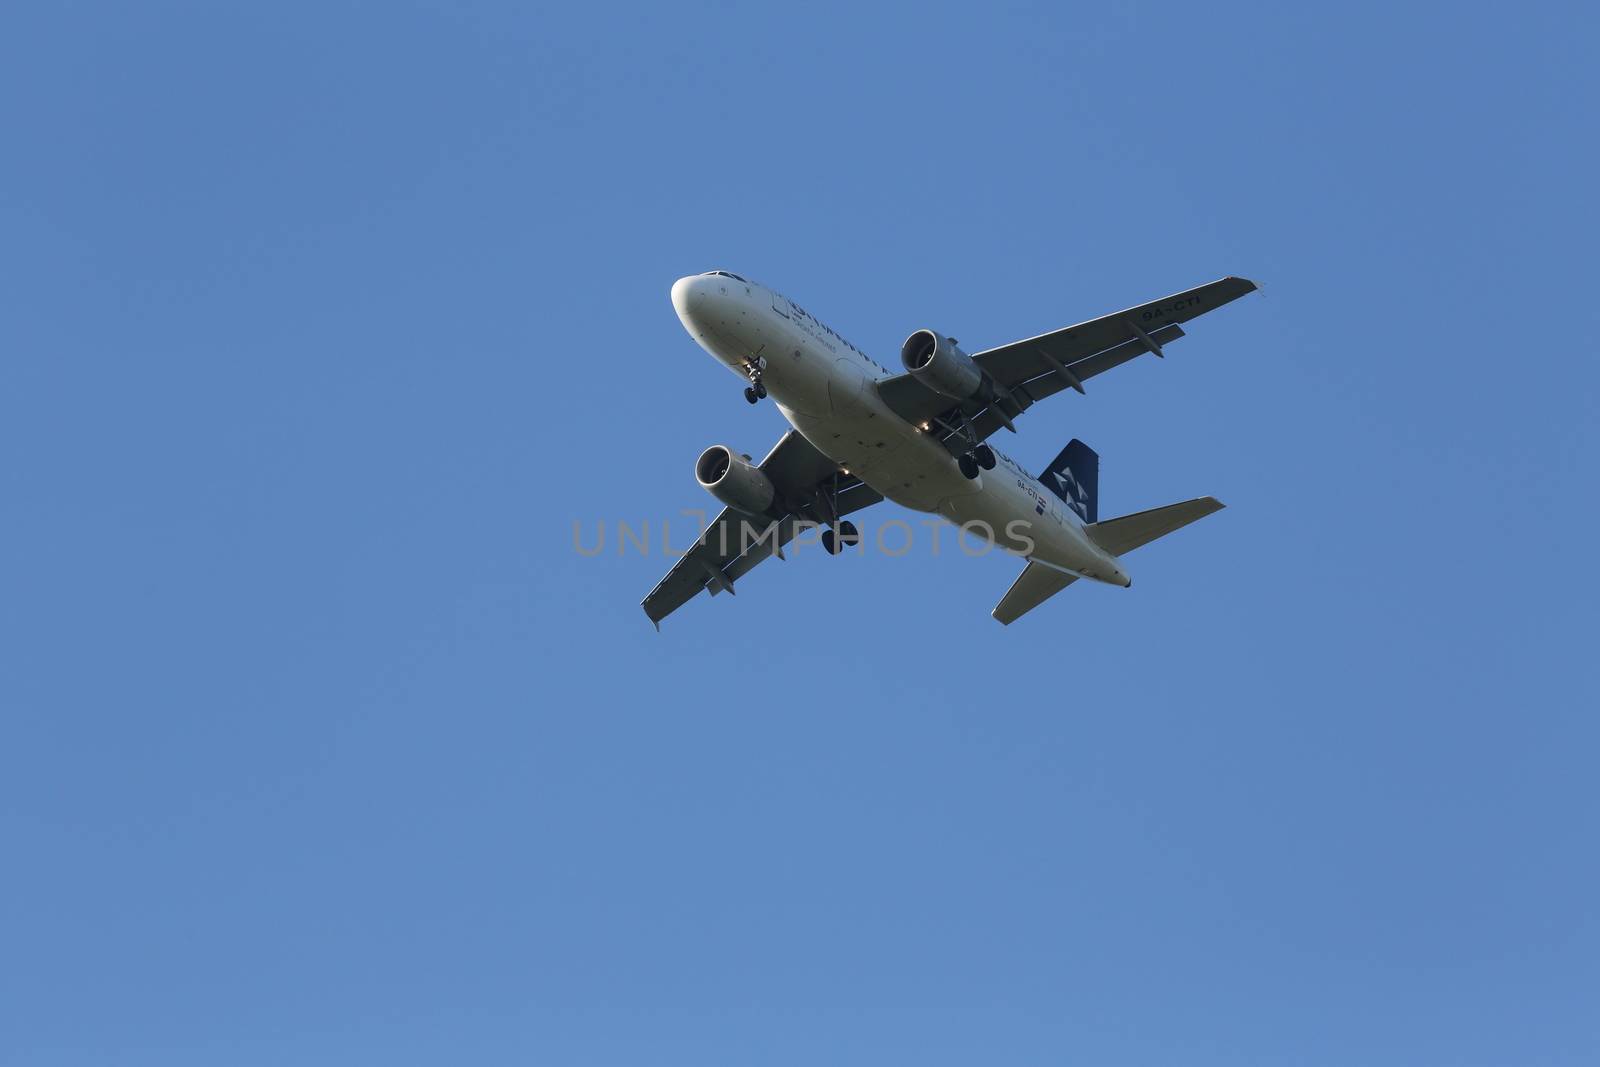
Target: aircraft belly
x=922 y=475
x=796 y=379
x=796 y=385
x=896 y=459
x=1018 y=524
x=990 y=508
x=835 y=407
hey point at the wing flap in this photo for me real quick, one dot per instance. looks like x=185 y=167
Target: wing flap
x=1026 y=369
x=987 y=422
x=916 y=403
x=1022 y=360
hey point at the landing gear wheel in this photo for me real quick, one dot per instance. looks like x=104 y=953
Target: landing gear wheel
x=750 y=394
x=985 y=457
x=969 y=467
x=846 y=536
x=761 y=391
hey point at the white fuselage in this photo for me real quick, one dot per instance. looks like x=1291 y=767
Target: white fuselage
x=826 y=388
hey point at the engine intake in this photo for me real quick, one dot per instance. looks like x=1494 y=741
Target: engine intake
x=734 y=480
x=935 y=361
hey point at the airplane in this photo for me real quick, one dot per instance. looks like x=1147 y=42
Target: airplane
x=862 y=433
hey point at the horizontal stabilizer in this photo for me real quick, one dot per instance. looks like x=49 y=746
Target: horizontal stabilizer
x=1036 y=584
x=1119 y=536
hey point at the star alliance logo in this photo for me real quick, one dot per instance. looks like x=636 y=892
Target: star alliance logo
x=1074 y=494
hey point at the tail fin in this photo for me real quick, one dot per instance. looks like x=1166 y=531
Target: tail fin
x=1127 y=533
x=1074 y=476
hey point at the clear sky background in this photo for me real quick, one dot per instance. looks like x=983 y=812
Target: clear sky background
x=322 y=324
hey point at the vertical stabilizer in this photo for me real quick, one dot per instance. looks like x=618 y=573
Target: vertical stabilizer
x=1074 y=476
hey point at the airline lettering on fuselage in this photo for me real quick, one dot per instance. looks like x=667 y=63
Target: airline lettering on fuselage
x=811 y=324
x=1033 y=493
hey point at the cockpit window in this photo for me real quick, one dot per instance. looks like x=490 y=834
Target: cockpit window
x=725 y=274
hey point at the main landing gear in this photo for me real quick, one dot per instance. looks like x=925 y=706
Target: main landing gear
x=980 y=457
x=848 y=535
x=752 y=369
x=837 y=533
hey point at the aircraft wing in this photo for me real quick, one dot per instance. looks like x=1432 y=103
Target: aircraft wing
x=1025 y=372
x=810 y=488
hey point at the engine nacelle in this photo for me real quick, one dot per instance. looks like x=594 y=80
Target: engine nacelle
x=935 y=361
x=734 y=480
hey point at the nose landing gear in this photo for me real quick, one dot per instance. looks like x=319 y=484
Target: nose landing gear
x=752 y=369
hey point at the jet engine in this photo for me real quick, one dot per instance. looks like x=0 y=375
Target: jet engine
x=935 y=361
x=734 y=480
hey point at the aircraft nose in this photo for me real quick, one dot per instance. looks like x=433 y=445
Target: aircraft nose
x=688 y=294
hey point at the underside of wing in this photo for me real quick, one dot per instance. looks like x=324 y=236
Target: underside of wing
x=810 y=488
x=1022 y=360
x=1024 y=372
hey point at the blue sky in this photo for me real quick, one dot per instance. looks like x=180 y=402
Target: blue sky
x=325 y=322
